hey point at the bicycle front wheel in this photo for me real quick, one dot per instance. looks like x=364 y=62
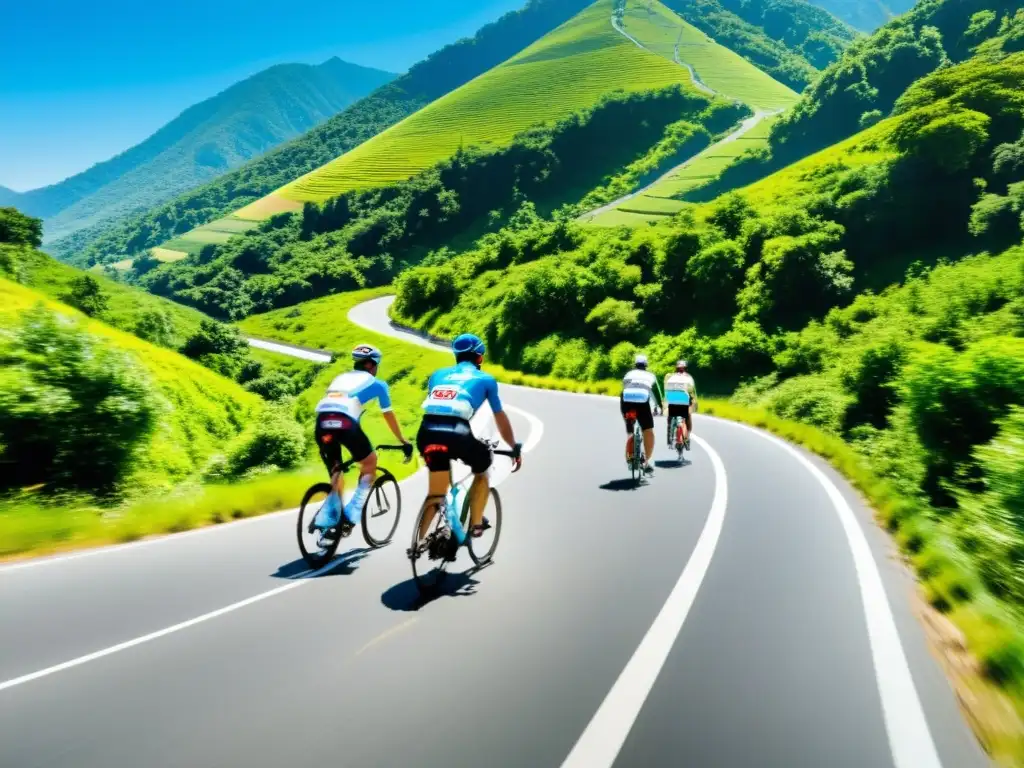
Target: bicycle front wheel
x=482 y=549
x=314 y=555
x=382 y=510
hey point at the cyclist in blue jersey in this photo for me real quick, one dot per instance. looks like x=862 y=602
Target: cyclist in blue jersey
x=453 y=396
x=337 y=426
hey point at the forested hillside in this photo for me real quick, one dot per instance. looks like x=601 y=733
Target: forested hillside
x=206 y=140
x=866 y=15
x=794 y=24
x=862 y=87
x=428 y=80
x=365 y=238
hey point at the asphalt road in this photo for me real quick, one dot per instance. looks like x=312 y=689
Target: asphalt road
x=740 y=610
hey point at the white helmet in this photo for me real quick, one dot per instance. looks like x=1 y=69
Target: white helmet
x=641 y=360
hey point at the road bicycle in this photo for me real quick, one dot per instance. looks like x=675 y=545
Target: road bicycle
x=677 y=432
x=636 y=461
x=384 y=496
x=450 y=527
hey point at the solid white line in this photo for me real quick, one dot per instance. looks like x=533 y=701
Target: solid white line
x=287 y=349
x=607 y=731
x=146 y=638
x=910 y=740
x=536 y=427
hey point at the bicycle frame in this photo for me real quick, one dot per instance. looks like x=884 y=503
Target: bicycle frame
x=357 y=515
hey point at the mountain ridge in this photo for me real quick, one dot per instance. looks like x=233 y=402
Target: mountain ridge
x=241 y=121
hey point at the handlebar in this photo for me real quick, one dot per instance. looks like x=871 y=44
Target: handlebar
x=408 y=450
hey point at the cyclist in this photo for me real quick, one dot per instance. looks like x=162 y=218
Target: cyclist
x=453 y=397
x=337 y=425
x=638 y=386
x=681 y=394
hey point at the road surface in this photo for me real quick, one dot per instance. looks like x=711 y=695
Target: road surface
x=741 y=610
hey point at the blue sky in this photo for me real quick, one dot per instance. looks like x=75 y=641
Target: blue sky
x=82 y=81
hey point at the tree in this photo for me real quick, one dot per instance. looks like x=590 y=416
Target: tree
x=18 y=229
x=87 y=296
x=218 y=346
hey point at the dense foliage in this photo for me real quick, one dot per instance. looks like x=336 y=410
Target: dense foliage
x=863 y=86
x=18 y=229
x=428 y=80
x=73 y=411
x=364 y=238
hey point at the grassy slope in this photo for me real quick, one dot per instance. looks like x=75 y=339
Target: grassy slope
x=568 y=69
x=203 y=410
x=126 y=304
x=661 y=30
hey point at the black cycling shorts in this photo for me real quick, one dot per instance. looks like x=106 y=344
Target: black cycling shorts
x=335 y=431
x=444 y=438
x=643 y=414
x=683 y=411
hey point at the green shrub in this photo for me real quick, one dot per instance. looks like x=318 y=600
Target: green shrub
x=86 y=295
x=614 y=320
x=276 y=440
x=72 y=411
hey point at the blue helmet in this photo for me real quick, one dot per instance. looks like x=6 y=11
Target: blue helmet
x=366 y=352
x=467 y=342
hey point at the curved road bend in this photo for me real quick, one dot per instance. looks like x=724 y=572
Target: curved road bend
x=714 y=617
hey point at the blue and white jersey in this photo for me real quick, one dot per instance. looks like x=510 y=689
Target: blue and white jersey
x=679 y=389
x=638 y=385
x=352 y=390
x=459 y=391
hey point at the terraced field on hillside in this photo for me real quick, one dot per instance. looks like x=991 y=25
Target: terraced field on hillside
x=569 y=69
x=669 y=36
x=666 y=196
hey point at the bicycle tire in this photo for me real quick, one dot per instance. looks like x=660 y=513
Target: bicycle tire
x=485 y=557
x=321 y=557
x=383 y=478
x=637 y=453
x=424 y=583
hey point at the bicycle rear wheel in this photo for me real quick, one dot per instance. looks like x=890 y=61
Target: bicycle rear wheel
x=479 y=549
x=638 y=453
x=429 y=577
x=315 y=556
x=382 y=509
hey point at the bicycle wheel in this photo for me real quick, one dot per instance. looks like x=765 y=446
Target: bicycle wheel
x=479 y=549
x=383 y=507
x=314 y=555
x=638 y=453
x=429 y=577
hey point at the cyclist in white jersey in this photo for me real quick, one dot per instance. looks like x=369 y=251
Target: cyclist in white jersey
x=681 y=395
x=337 y=426
x=638 y=386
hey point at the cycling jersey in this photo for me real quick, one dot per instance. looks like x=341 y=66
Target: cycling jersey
x=459 y=391
x=638 y=385
x=680 y=389
x=352 y=390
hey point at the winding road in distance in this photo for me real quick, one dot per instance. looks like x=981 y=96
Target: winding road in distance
x=741 y=610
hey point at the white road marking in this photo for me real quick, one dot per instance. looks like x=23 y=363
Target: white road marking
x=287 y=349
x=146 y=638
x=607 y=731
x=910 y=739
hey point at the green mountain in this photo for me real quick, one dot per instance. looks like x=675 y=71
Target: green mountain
x=439 y=74
x=866 y=15
x=207 y=139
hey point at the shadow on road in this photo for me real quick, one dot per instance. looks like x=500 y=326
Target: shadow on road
x=406 y=596
x=672 y=463
x=341 y=565
x=625 y=484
